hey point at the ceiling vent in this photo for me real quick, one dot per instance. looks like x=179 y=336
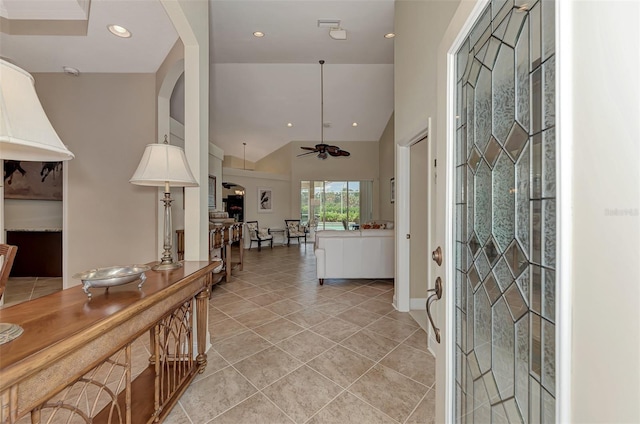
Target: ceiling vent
x=335 y=31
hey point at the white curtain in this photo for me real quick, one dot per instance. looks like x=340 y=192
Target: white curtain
x=366 y=201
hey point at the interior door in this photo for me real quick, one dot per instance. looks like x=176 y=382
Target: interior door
x=499 y=217
x=418 y=223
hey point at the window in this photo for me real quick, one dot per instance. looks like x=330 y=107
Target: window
x=336 y=205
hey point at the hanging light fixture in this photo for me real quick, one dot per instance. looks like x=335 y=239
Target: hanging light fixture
x=322 y=149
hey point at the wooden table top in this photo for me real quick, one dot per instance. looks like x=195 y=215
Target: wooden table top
x=70 y=314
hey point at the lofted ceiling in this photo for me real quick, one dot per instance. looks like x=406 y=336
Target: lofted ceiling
x=258 y=85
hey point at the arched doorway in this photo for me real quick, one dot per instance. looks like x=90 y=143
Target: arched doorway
x=233 y=200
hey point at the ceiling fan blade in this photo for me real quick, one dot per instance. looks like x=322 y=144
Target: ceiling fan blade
x=334 y=149
x=308 y=148
x=334 y=153
x=344 y=153
x=304 y=154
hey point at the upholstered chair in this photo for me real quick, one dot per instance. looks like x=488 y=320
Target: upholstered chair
x=295 y=231
x=258 y=235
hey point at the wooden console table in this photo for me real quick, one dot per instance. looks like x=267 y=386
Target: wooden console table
x=221 y=237
x=74 y=358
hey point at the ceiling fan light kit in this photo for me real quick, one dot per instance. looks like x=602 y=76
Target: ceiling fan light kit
x=323 y=150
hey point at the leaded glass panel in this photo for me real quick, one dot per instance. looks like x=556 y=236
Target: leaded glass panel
x=506 y=211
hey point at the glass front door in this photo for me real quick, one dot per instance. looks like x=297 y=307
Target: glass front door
x=504 y=215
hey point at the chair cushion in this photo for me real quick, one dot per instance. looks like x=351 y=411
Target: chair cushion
x=264 y=233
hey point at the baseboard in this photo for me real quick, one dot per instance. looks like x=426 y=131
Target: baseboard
x=418 y=303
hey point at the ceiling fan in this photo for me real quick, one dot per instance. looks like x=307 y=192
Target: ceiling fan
x=323 y=150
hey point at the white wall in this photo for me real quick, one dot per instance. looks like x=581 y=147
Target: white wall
x=106 y=120
x=599 y=273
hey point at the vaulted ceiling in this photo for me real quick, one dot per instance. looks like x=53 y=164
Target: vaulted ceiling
x=257 y=84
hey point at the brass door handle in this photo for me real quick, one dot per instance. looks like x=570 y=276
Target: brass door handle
x=432 y=298
x=436 y=255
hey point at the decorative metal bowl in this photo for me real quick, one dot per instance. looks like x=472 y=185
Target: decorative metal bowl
x=112 y=276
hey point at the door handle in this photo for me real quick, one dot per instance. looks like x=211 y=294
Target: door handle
x=437 y=294
x=436 y=255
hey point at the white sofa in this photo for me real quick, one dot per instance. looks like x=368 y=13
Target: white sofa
x=354 y=254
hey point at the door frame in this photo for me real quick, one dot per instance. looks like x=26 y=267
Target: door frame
x=402 y=295
x=456 y=35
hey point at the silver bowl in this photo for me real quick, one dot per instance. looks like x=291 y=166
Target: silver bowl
x=112 y=276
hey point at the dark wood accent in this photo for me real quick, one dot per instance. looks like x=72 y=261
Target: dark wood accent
x=39 y=253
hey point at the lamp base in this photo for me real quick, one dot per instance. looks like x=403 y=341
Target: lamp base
x=167 y=266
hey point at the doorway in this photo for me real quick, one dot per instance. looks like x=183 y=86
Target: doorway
x=233 y=200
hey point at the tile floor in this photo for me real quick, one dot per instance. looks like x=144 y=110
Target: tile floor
x=286 y=350
x=20 y=289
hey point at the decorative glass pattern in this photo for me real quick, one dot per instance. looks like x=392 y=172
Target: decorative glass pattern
x=506 y=211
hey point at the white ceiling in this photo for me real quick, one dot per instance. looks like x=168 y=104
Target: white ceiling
x=257 y=85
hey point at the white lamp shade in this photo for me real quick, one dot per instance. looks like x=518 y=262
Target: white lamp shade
x=25 y=131
x=163 y=164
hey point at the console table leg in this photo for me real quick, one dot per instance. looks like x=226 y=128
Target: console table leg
x=227 y=259
x=202 y=312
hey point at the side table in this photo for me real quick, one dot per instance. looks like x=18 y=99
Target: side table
x=280 y=231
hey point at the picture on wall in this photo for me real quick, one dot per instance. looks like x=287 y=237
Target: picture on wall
x=393 y=190
x=265 y=200
x=32 y=180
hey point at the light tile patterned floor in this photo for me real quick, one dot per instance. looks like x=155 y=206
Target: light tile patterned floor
x=286 y=350
x=20 y=289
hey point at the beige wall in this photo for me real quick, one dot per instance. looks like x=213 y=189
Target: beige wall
x=419 y=26
x=237 y=163
x=386 y=170
x=32 y=214
x=105 y=120
x=277 y=162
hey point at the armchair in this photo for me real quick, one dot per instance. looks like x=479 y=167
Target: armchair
x=8 y=253
x=258 y=235
x=295 y=230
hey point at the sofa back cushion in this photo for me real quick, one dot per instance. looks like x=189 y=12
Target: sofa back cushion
x=355 y=254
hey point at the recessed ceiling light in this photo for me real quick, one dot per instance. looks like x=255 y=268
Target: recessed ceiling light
x=355 y=124
x=389 y=35
x=258 y=34
x=119 y=31
x=289 y=125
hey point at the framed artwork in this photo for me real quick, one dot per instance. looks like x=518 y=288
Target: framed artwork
x=212 y=192
x=265 y=199
x=32 y=180
x=393 y=190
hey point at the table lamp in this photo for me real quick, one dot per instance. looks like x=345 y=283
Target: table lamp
x=25 y=134
x=164 y=165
